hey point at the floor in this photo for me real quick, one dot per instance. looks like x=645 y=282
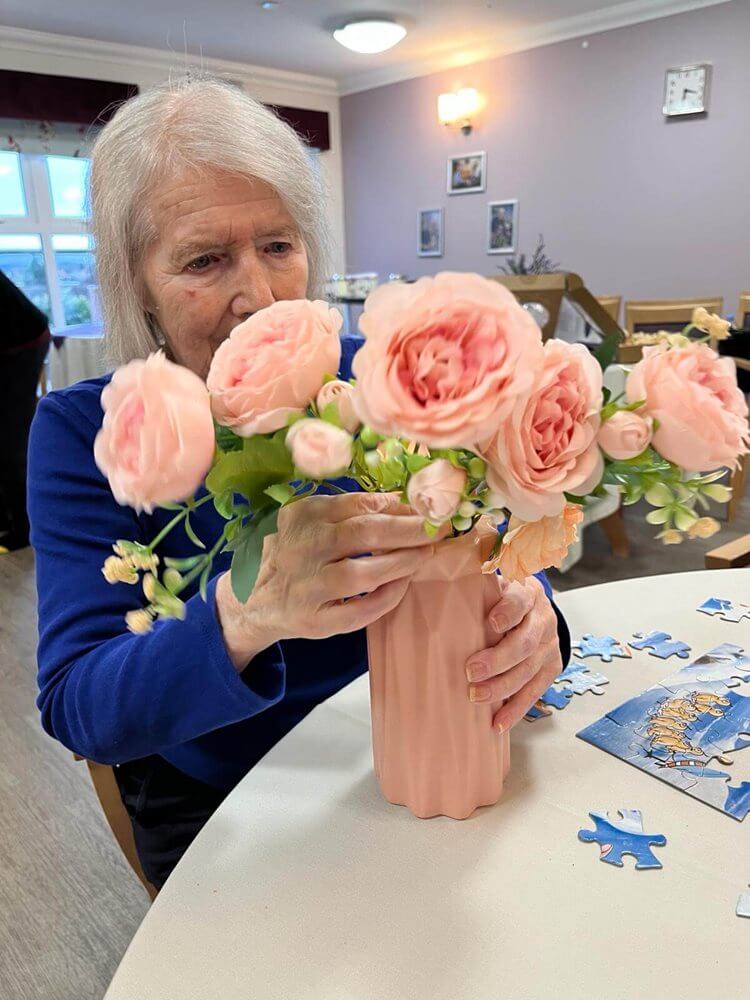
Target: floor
x=69 y=904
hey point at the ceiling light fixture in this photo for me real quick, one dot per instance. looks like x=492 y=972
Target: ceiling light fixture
x=373 y=35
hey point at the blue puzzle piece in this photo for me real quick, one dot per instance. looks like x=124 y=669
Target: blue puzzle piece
x=661 y=645
x=738 y=800
x=621 y=836
x=557 y=697
x=603 y=646
x=581 y=678
x=729 y=610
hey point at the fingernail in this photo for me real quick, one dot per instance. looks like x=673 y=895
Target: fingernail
x=496 y=623
x=479 y=692
x=474 y=670
x=500 y=728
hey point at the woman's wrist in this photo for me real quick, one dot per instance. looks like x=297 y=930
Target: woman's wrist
x=244 y=636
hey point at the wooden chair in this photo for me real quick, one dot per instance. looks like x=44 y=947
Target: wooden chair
x=611 y=303
x=108 y=793
x=730 y=555
x=650 y=316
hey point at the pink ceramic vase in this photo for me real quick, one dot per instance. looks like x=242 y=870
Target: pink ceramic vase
x=435 y=751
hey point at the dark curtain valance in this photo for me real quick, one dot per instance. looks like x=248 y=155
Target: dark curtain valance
x=311 y=126
x=41 y=97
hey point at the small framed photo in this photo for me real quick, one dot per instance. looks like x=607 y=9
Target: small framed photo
x=502 y=226
x=430 y=232
x=466 y=173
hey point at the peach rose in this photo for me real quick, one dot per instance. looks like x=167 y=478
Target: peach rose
x=318 y=448
x=156 y=443
x=693 y=394
x=444 y=360
x=273 y=365
x=625 y=435
x=529 y=547
x=342 y=394
x=548 y=445
x=435 y=491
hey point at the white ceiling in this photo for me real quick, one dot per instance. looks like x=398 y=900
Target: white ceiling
x=296 y=34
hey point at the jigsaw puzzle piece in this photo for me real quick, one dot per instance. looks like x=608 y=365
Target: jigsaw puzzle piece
x=581 y=682
x=552 y=698
x=603 y=646
x=729 y=611
x=737 y=802
x=624 y=835
x=743 y=905
x=645 y=639
x=661 y=644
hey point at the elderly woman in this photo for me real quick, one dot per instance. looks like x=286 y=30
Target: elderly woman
x=206 y=208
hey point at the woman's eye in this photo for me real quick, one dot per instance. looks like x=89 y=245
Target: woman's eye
x=278 y=247
x=201 y=263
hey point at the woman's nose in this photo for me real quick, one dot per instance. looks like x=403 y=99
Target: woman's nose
x=253 y=289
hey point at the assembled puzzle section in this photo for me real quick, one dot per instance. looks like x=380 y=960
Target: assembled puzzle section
x=683 y=729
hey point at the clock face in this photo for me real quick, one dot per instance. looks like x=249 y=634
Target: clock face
x=685 y=90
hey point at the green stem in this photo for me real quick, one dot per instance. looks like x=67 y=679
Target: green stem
x=176 y=520
x=196 y=571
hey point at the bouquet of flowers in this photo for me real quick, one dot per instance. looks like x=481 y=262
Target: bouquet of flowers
x=456 y=405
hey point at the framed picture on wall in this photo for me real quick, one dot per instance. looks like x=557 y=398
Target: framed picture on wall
x=502 y=226
x=466 y=173
x=430 y=232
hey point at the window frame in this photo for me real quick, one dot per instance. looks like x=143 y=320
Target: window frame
x=41 y=221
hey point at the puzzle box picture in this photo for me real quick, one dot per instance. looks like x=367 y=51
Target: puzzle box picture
x=683 y=729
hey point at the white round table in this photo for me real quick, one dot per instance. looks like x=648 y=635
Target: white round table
x=307 y=884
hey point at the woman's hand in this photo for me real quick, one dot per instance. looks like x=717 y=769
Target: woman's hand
x=520 y=668
x=309 y=585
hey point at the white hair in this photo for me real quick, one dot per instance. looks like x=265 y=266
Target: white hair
x=195 y=122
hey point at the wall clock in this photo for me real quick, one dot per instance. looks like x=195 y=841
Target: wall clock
x=686 y=90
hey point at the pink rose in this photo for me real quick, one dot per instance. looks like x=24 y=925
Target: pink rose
x=693 y=394
x=273 y=364
x=318 y=448
x=156 y=443
x=529 y=547
x=435 y=492
x=548 y=445
x=625 y=435
x=444 y=360
x=342 y=394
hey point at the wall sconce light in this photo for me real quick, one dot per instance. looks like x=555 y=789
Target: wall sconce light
x=456 y=109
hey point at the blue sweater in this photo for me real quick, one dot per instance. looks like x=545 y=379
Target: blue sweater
x=112 y=696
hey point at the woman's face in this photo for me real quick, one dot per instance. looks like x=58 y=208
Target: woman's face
x=225 y=247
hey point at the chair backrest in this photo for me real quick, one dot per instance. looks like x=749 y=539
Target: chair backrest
x=652 y=315
x=742 y=319
x=108 y=793
x=612 y=304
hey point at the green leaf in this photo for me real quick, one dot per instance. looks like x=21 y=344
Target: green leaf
x=171 y=506
x=226 y=439
x=606 y=353
x=224 y=504
x=659 y=495
x=191 y=534
x=659 y=516
x=416 y=462
x=430 y=529
x=330 y=414
x=182 y=564
x=248 y=554
x=280 y=492
x=203 y=582
x=718 y=492
x=684 y=518
x=262 y=462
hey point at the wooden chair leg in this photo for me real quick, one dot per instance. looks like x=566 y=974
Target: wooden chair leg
x=737 y=483
x=614 y=528
x=108 y=794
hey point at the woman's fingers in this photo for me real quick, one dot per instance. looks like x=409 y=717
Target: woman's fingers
x=380 y=532
x=519 y=704
x=505 y=685
x=515 y=603
x=363 y=611
x=352 y=577
x=524 y=641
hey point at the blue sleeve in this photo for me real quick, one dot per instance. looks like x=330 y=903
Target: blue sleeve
x=104 y=693
x=563 y=632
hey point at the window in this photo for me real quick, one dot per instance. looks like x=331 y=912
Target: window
x=45 y=247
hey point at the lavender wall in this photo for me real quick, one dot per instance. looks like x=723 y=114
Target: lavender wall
x=638 y=206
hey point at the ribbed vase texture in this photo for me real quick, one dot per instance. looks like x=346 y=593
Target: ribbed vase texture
x=436 y=752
